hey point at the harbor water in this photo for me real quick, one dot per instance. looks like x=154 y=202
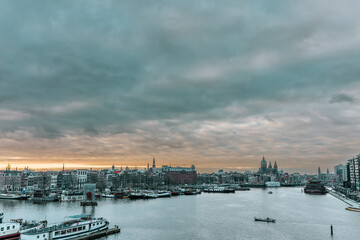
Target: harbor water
x=210 y=215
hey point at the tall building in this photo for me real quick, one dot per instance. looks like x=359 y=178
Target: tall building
x=353 y=168
x=153 y=166
x=340 y=172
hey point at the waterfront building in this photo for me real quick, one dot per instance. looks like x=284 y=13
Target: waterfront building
x=340 y=173
x=180 y=175
x=353 y=171
x=315 y=186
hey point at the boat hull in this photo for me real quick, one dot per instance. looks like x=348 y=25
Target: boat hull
x=13 y=236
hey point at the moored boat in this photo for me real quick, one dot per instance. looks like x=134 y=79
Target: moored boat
x=150 y=195
x=80 y=225
x=219 y=190
x=163 y=194
x=136 y=195
x=10 y=196
x=26 y=226
x=120 y=195
x=9 y=230
x=190 y=191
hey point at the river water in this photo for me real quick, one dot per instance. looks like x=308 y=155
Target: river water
x=210 y=216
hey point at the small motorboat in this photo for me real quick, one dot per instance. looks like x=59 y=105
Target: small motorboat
x=270 y=192
x=265 y=219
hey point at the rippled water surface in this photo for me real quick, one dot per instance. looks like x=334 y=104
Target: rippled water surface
x=211 y=216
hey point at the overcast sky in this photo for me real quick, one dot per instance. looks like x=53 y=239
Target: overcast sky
x=214 y=83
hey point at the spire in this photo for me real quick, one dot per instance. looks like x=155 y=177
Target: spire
x=63 y=167
x=154 y=163
x=319 y=172
x=270 y=165
x=275 y=166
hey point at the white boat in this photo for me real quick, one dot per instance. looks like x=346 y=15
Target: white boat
x=163 y=194
x=9 y=230
x=108 y=195
x=149 y=195
x=72 y=196
x=80 y=225
x=10 y=196
x=272 y=184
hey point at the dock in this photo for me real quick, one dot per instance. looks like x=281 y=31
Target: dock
x=346 y=200
x=97 y=235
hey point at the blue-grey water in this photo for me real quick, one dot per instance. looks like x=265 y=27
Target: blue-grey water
x=211 y=216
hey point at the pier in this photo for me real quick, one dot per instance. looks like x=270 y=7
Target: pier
x=97 y=235
x=342 y=198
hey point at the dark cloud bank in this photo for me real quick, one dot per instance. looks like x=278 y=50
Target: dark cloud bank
x=214 y=83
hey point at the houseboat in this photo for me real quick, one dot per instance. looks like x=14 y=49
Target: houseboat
x=72 y=196
x=77 y=226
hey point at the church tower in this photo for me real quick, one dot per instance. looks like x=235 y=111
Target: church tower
x=275 y=168
x=263 y=164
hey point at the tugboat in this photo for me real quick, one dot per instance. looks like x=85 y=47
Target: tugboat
x=273 y=220
x=314 y=186
x=9 y=230
x=79 y=225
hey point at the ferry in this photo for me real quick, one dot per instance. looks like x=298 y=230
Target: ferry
x=9 y=231
x=79 y=225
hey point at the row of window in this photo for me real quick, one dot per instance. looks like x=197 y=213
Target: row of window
x=71 y=230
x=7 y=228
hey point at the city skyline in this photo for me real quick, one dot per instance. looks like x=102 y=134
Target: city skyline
x=217 y=85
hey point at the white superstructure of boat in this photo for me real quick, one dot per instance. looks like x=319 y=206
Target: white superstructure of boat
x=80 y=225
x=9 y=230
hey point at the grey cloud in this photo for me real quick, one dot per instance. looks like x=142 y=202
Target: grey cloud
x=80 y=72
x=340 y=98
